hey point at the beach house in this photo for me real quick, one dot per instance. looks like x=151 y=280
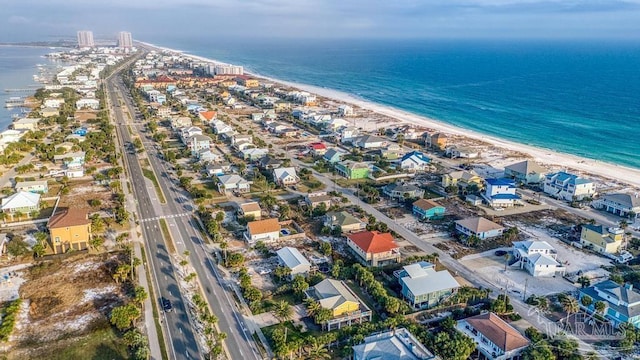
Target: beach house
x=40 y=186
x=622 y=302
x=601 y=239
x=495 y=339
x=346 y=308
x=437 y=140
x=233 y=182
x=414 y=161
x=462 y=179
x=624 y=205
x=424 y=287
x=69 y=229
x=26 y=124
x=480 y=227
x=425 y=209
x=315 y=199
x=266 y=230
x=292 y=259
x=397 y=344
x=22 y=202
x=569 y=187
x=285 y=176
x=333 y=155
x=352 y=170
x=526 y=172
x=401 y=191
x=373 y=248
x=538 y=258
x=250 y=210
x=197 y=143
x=344 y=221
x=500 y=193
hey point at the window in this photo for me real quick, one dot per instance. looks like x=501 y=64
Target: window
x=57 y=239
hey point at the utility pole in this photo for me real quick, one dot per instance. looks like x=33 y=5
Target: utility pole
x=524 y=294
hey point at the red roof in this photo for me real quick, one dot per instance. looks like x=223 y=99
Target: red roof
x=318 y=146
x=209 y=115
x=66 y=217
x=373 y=242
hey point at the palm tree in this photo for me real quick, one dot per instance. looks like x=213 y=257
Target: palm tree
x=223 y=246
x=283 y=311
x=317 y=350
x=313 y=307
x=570 y=305
x=600 y=307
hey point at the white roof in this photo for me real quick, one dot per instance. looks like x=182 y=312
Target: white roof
x=281 y=173
x=292 y=258
x=426 y=280
x=20 y=199
x=529 y=245
x=231 y=179
x=542 y=259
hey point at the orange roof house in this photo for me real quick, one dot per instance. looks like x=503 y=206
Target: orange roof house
x=495 y=338
x=262 y=230
x=70 y=229
x=373 y=248
x=207 y=116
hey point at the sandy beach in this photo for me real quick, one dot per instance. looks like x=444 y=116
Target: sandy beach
x=581 y=165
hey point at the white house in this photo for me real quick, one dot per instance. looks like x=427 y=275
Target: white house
x=254 y=153
x=41 y=187
x=233 y=182
x=285 y=176
x=562 y=185
x=53 y=103
x=538 y=258
x=198 y=142
x=619 y=204
x=23 y=202
x=262 y=230
x=345 y=110
x=186 y=133
x=500 y=193
x=291 y=258
x=495 y=338
x=180 y=122
x=26 y=124
x=93 y=104
x=395 y=344
x=414 y=161
x=480 y=227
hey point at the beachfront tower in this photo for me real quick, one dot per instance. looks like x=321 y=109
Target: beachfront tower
x=85 y=39
x=125 y=41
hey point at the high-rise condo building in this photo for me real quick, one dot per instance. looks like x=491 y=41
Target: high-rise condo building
x=85 y=39
x=125 y=40
x=224 y=69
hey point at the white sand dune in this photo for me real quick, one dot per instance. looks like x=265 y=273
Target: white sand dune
x=574 y=163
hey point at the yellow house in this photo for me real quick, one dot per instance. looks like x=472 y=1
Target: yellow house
x=601 y=239
x=251 y=209
x=70 y=229
x=346 y=308
x=461 y=179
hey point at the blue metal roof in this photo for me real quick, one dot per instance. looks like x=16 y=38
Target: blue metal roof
x=505 y=197
x=502 y=181
x=418 y=154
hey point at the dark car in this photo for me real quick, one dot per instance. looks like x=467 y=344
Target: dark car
x=166 y=304
x=500 y=253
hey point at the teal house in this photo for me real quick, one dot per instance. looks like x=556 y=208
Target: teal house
x=425 y=209
x=623 y=303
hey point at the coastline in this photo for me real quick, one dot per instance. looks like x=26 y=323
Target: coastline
x=551 y=158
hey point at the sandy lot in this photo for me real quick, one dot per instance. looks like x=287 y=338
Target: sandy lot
x=492 y=268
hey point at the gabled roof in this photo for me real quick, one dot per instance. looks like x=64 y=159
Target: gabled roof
x=528 y=245
x=621 y=292
x=626 y=200
x=373 y=241
x=292 y=258
x=208 y=115
x=425 y=204
x=542 y=260
x=333 y=293
x=498 y=331
x=31 y=183
x=231 y=179
x=416 y=156
x=199 y=137
x=526 y=167
x=263 y=226
x=501 y=182
x=281 y=173
x=318 y=146
x=66 y=217
x=332 y=152
x=479 y=224
x=21 y=199
x=342 y=218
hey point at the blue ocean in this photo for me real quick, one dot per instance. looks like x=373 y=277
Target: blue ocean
x=581 y=98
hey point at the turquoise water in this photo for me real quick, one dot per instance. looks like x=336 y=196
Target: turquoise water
x=580 y=98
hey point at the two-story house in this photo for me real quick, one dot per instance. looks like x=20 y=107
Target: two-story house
x=526 y=172
x=397 y=344
x=374 y=248
x=601 y=239
x=401 y=191
x=538 y=258
x=425 y=209
x=314 y=200
x=344 y=221
x=346 y=308
x=414 y=161
x=285 y=176
x=624 y=205
x=462 y=179
x=622 y=302
x=69 y=229
x=198 y=142
x=423 y=286
x=233 y=182
x=480 y=227
x=352 y=170
x=495 y=339
x=569 y=187
x=500 y=193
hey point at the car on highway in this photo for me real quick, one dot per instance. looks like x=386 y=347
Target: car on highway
x=166 y=304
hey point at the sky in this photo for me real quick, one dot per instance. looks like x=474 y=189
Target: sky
x=31 y=20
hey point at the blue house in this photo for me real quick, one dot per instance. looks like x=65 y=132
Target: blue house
x=414 y=161
x=623 y=303
x=81 y=131
x=500 y=192
x=332 y=156
x=427 y=209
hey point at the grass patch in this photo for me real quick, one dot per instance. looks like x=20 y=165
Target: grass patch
x=156 y=313
x=101 y=344
x=167 y=236
x=428 y=194
x=350 y=182
x=148 y=173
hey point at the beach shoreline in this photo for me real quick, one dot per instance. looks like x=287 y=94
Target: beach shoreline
x=552 y=158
